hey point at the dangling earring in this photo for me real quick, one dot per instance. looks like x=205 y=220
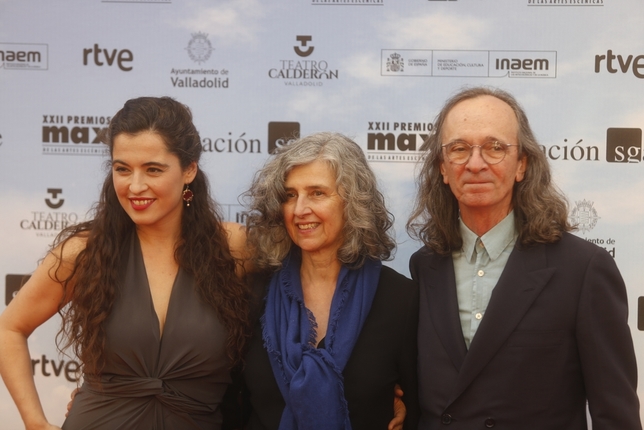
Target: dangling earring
x=187 y=195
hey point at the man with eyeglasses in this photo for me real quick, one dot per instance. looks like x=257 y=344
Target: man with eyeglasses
x=521 y=324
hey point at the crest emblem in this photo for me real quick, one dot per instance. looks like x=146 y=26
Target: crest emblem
x=584 y=216
x=395 y=63
x=199 y=48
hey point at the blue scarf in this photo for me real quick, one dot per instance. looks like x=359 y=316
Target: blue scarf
x=310 y=379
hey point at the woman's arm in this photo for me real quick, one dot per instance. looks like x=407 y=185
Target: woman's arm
x=36 y=302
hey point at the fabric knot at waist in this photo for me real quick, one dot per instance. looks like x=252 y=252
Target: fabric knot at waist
x=154 y=388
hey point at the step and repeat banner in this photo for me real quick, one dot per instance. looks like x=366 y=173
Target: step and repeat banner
x=256 y=71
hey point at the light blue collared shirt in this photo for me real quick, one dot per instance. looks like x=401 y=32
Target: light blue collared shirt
x=478 y=267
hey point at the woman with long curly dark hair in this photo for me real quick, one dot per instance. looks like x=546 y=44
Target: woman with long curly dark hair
x=148 y=290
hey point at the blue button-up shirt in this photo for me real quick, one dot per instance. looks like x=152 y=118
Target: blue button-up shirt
x=478 y=267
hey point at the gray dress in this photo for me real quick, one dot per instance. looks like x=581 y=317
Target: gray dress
x=174 y=381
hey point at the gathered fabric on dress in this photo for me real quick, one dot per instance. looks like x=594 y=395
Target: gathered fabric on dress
x=173 y=380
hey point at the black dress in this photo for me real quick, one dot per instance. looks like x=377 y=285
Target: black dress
x=172 y=382
x=385 y=354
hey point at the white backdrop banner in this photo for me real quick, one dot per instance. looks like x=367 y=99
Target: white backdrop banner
x=256 y=71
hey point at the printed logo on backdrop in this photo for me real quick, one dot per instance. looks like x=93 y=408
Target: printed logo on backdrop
x=347 y=2
x=138 y=1
x=302 y=71
x=303 y=51
x=199 y=50
x=74 y=134
x=48 y=223
x=620 y=63
x=231 y=144
x=624 y=145
x=583 y=215
x=396 y=63
x=24 y=56
x=12 y=284
x=571 y=150
x=565 y=2
x=108 y=57
x=281 y=134
x=397 y=142
x=468 y=64
x=234 y=213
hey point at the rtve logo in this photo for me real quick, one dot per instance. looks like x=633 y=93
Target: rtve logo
x=622 y=64
x=624 y=145
x=121 y=57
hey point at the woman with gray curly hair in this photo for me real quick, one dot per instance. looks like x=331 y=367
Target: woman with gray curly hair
x=338 y=329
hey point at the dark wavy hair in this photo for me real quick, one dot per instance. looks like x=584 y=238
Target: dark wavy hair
x=540 y=208
x=202 y=249
x=367 y=223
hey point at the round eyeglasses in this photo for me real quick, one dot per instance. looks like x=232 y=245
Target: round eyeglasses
x=492 y=152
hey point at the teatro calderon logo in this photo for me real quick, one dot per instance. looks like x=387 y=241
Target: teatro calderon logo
x=200 y=77
x=304 y=70
x=24 y=56
x=49 y=222
x=73 y=134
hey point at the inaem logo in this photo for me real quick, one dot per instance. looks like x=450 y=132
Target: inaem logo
x=304 y=40
x=12 y=285
x=24 y=56
x=624 y=145
x=281 y=134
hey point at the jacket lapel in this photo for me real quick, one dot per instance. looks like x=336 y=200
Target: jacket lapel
x=522 y=280
x=443 y=307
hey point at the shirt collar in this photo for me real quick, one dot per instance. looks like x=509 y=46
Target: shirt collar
x=495 y=240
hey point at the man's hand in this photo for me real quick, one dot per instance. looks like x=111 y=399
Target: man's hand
x=69 y=405
x=400 y=410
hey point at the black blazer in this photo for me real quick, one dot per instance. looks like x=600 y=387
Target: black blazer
x=554 y=336
x=385 y=354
